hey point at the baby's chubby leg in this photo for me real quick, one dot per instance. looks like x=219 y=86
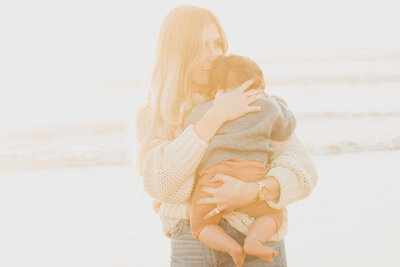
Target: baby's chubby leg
x=260 y=231
x=215 y=237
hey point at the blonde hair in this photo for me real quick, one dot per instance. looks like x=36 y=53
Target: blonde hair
x=179 y=47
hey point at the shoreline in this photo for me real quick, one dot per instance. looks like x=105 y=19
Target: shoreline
x=110 y=142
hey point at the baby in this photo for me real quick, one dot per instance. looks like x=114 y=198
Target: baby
x=239 y=149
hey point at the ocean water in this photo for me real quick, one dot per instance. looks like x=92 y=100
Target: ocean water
x=344 y=101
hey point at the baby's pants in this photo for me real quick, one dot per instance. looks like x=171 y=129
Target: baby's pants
x=245 y=170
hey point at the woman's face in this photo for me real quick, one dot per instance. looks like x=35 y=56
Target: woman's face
x=212 y=48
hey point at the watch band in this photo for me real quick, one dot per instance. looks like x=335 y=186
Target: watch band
x=262 y=193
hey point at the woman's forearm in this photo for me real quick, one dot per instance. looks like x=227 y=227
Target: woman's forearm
x=168 y=167
x=291 y=178
x=294 y=170
x=165 y=176
x=208 y=125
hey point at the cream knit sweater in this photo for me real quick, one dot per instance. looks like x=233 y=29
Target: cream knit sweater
x=168 y=169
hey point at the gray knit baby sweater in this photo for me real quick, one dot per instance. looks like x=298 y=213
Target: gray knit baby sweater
x=247 y=137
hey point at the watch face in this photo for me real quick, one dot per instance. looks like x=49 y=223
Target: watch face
x=265 y=193
x=262 y=191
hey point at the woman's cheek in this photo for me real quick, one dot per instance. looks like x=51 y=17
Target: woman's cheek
x=201 y=77
x=205 y=77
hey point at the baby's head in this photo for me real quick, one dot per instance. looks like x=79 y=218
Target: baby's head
x=229 y=72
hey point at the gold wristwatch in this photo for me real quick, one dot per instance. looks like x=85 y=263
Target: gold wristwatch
x=263 y=192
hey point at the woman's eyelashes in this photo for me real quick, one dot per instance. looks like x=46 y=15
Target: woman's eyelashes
x=216 y=44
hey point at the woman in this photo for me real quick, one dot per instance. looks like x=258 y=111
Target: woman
x=190 y=39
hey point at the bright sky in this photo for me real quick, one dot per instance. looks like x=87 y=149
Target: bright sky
x=108 y=40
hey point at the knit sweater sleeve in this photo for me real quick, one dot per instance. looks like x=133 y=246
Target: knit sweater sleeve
x=292 y=166
x=168 y=167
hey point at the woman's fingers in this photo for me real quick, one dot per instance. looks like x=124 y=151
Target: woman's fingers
x=254 y=95
x=209 y=190
x=234 y=104
x=253 y=109
x=210 y=200
x=211 y=214
x=254 y=98
x=245 y=85
x=254 y=92
x=218 y=178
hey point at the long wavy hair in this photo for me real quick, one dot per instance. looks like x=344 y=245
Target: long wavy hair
x=179 y=47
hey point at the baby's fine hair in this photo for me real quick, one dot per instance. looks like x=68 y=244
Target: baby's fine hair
x=242 y=68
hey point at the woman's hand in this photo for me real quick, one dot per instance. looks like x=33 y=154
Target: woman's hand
x=231 y=195
x=236 y=103
x=226 y=107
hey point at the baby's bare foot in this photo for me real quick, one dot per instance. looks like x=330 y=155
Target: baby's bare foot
x=256 y=248
x=237 y=255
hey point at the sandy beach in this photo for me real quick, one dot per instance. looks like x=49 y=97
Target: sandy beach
x=101 y=216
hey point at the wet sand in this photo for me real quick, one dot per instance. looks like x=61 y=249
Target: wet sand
x=101 y=216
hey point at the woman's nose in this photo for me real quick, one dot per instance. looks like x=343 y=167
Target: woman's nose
x=213 y=52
